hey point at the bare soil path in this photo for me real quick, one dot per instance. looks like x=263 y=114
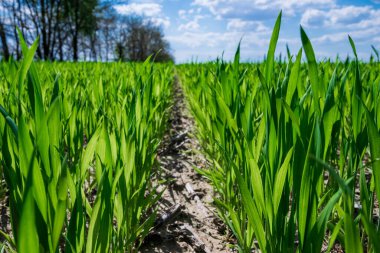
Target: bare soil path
x=187 y=220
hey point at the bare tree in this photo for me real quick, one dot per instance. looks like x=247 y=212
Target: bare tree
x=42 y=17
x=142 y=38
x=82 y=19
x=74 y=29
x=106 y=33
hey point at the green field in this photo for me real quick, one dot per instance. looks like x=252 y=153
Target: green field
x=293 y=148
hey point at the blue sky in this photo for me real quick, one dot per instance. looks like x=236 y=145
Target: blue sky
x=202 y=30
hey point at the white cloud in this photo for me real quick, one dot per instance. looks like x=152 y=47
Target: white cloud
x=236 y=8
x=152 y=10
x=186 y=15
x=219 y=40
x=292 y=6
x=182 y=14
x=161 y=21
x=227 y=21
x=360 y=22
x=192 y=25
x=207 y=3
x=237 y=24
x=343 y=36
x=313 y=18
x=343 y=17
x=144 y=9
x=207 y=46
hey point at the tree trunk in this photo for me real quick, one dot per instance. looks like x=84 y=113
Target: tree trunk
x=75 y=46
x=75 y=41
x=3 y=38
x=60 y=44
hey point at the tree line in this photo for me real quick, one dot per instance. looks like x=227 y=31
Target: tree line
x=72 y=30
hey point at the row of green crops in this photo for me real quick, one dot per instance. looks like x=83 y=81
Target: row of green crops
x=294 y=148
x=78 y=142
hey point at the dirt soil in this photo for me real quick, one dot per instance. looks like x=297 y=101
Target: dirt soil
x=187 y=220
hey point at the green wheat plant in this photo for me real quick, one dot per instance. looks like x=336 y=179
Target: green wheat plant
x=286 y=141
x=78 y=144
